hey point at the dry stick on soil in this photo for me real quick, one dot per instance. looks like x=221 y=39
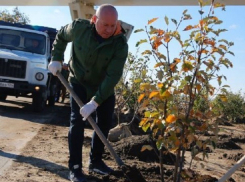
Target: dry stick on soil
x=131 y=173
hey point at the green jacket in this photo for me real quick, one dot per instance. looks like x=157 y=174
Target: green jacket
x=97 y=66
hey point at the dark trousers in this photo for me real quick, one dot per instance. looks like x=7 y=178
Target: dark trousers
x=104 y=114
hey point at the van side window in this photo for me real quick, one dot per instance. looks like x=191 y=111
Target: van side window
x=9 y=39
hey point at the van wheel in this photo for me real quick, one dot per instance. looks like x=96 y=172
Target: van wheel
x=39 y=101
x=3 y=97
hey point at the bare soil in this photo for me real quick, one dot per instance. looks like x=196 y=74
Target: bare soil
x=45 y=157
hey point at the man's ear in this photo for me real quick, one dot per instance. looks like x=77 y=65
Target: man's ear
x=94 y=18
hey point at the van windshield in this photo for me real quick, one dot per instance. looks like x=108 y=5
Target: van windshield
x=23 y=41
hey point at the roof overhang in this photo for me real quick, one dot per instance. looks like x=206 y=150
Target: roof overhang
x=114 y=2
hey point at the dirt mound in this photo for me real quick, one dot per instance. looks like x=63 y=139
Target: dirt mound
x=45 y=158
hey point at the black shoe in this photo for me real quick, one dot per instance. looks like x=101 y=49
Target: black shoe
x=77 y=176
x=99 y=167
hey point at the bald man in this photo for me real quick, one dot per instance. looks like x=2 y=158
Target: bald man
x=99 y=51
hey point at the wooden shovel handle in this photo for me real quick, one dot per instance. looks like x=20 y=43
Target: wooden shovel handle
x=91 y=120
x=233 y=169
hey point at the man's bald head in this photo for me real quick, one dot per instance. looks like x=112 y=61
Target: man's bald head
x=106 y=9
x=105 y=20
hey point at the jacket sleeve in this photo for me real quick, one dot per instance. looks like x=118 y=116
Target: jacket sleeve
x=113 y=74
x=63 y=37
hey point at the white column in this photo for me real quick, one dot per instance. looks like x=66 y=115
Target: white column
x=81 y=9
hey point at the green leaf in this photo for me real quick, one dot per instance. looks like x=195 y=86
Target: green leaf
x=146 y=126
x=187 y=17
x=159 y=143
x=231 y=53
x=160 y=74
x=139 y=30
x=219 y=31
x=184 y=12
x=152 y=30
x=143 y=73
x=201 y=12
x=218 y=22
x=231 y=43
x=225 y=86
x=223 y=40
x=188 y=78
x=140 y=42
x=161 y=56
x=166 y=20
x=174 y=21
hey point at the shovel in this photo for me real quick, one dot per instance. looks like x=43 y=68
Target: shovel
x=131 y=173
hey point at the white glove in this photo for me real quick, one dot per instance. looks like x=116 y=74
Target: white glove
x=88 y=108
x=54 y=67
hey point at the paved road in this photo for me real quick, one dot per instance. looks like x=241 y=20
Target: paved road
x=18 y=125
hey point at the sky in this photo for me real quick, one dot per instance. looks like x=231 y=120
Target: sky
x=138 y=16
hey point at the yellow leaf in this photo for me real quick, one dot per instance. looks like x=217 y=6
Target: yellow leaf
x=215 y=50
x=187 y=66
x=146 y=52
x=186 y=89
x=145 y=103
x=143 y=122
x=141 y=97
x=152 y=20
x=204 y=51
x=146 y=147
x=223 y=47
x=177 y=60
x=189 y=27
x=200 y=78
x=203 y=127
x=197 y=37
x=145 y=86
x=165 y=94
x=198 y=86
x=153 y=94
x=171 y=118
x=160 y=85
x=157 y=121
x=153 y=38
x=166 y=38
x=223 y=98
x=160 y=32
x=137 y=80
x=190 y=57
x=157 y=42
x=176 y=92
x=201 y=22
x=159 y=64
x=210 y=42
x=172 y=66
x=177 y=143
x=191 y=138
x=216 y=5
